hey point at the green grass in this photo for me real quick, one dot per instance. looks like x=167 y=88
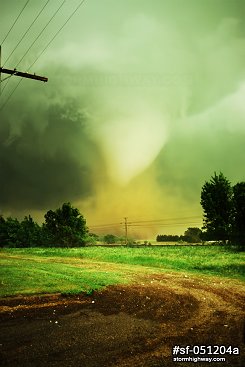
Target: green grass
x=49 y=270
x=23 y=276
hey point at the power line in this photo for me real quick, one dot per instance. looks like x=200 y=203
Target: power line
x=152 y=221
x=105 y=225
x=105 y=230
x=23 y=36
x=15 y=22
x=10 y=95
x=59 y=30
x=48 y=44
x=25 y=33
x=164 y=225
x=47 y=24
x=6 y=84
x=52 y=17
x=166 y=219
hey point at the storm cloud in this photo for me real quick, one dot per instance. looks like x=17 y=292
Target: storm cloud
x=144 y=102
x=43 y=165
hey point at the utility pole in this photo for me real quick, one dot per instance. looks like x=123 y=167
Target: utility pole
x=0 y=72
x=126 y=230
x=19 y=73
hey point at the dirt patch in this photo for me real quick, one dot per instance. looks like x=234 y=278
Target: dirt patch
x=124 y=326
x=156 y=303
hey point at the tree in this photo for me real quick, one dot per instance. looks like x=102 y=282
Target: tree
x=216 y=200
x=65 y=226
x=193 y=235
x=168 y=238
x=238 y=227
x=29 y=233
x=3 y=232
x=110 y=238
x=19 y=234
x=12 y=231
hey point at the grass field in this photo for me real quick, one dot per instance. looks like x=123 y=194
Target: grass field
x=50 y=270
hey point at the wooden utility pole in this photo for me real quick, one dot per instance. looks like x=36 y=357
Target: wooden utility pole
x=20 y=73
x=126 y=230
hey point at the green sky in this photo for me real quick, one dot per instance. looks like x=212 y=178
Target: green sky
x=145 y=100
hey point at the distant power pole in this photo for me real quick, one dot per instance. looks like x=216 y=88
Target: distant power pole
x=126 y=230
x=19 y=73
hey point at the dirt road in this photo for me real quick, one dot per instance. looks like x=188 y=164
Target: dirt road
x=126 y=326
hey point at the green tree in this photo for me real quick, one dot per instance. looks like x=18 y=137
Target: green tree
x=216 y=200
x=193 y=235
x=238 y=228
x=3 y=232
x=13 y=231
x=29 y=234
x=110 y=238
x=65 y=226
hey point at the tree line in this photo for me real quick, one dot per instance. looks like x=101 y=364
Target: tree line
x=64 y=227
x=191 y=235
x=224 y=220
x=224 y=210
x=224 y=214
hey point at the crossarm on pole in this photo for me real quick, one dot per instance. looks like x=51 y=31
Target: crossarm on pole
x=23 y=75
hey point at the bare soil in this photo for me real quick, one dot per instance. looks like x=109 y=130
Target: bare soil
x=125 y=326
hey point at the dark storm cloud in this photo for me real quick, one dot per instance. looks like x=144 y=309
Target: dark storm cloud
x=45 y=166
x=185 y=164
x=144 y=100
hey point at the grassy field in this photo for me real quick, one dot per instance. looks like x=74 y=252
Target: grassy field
x=50 y=270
